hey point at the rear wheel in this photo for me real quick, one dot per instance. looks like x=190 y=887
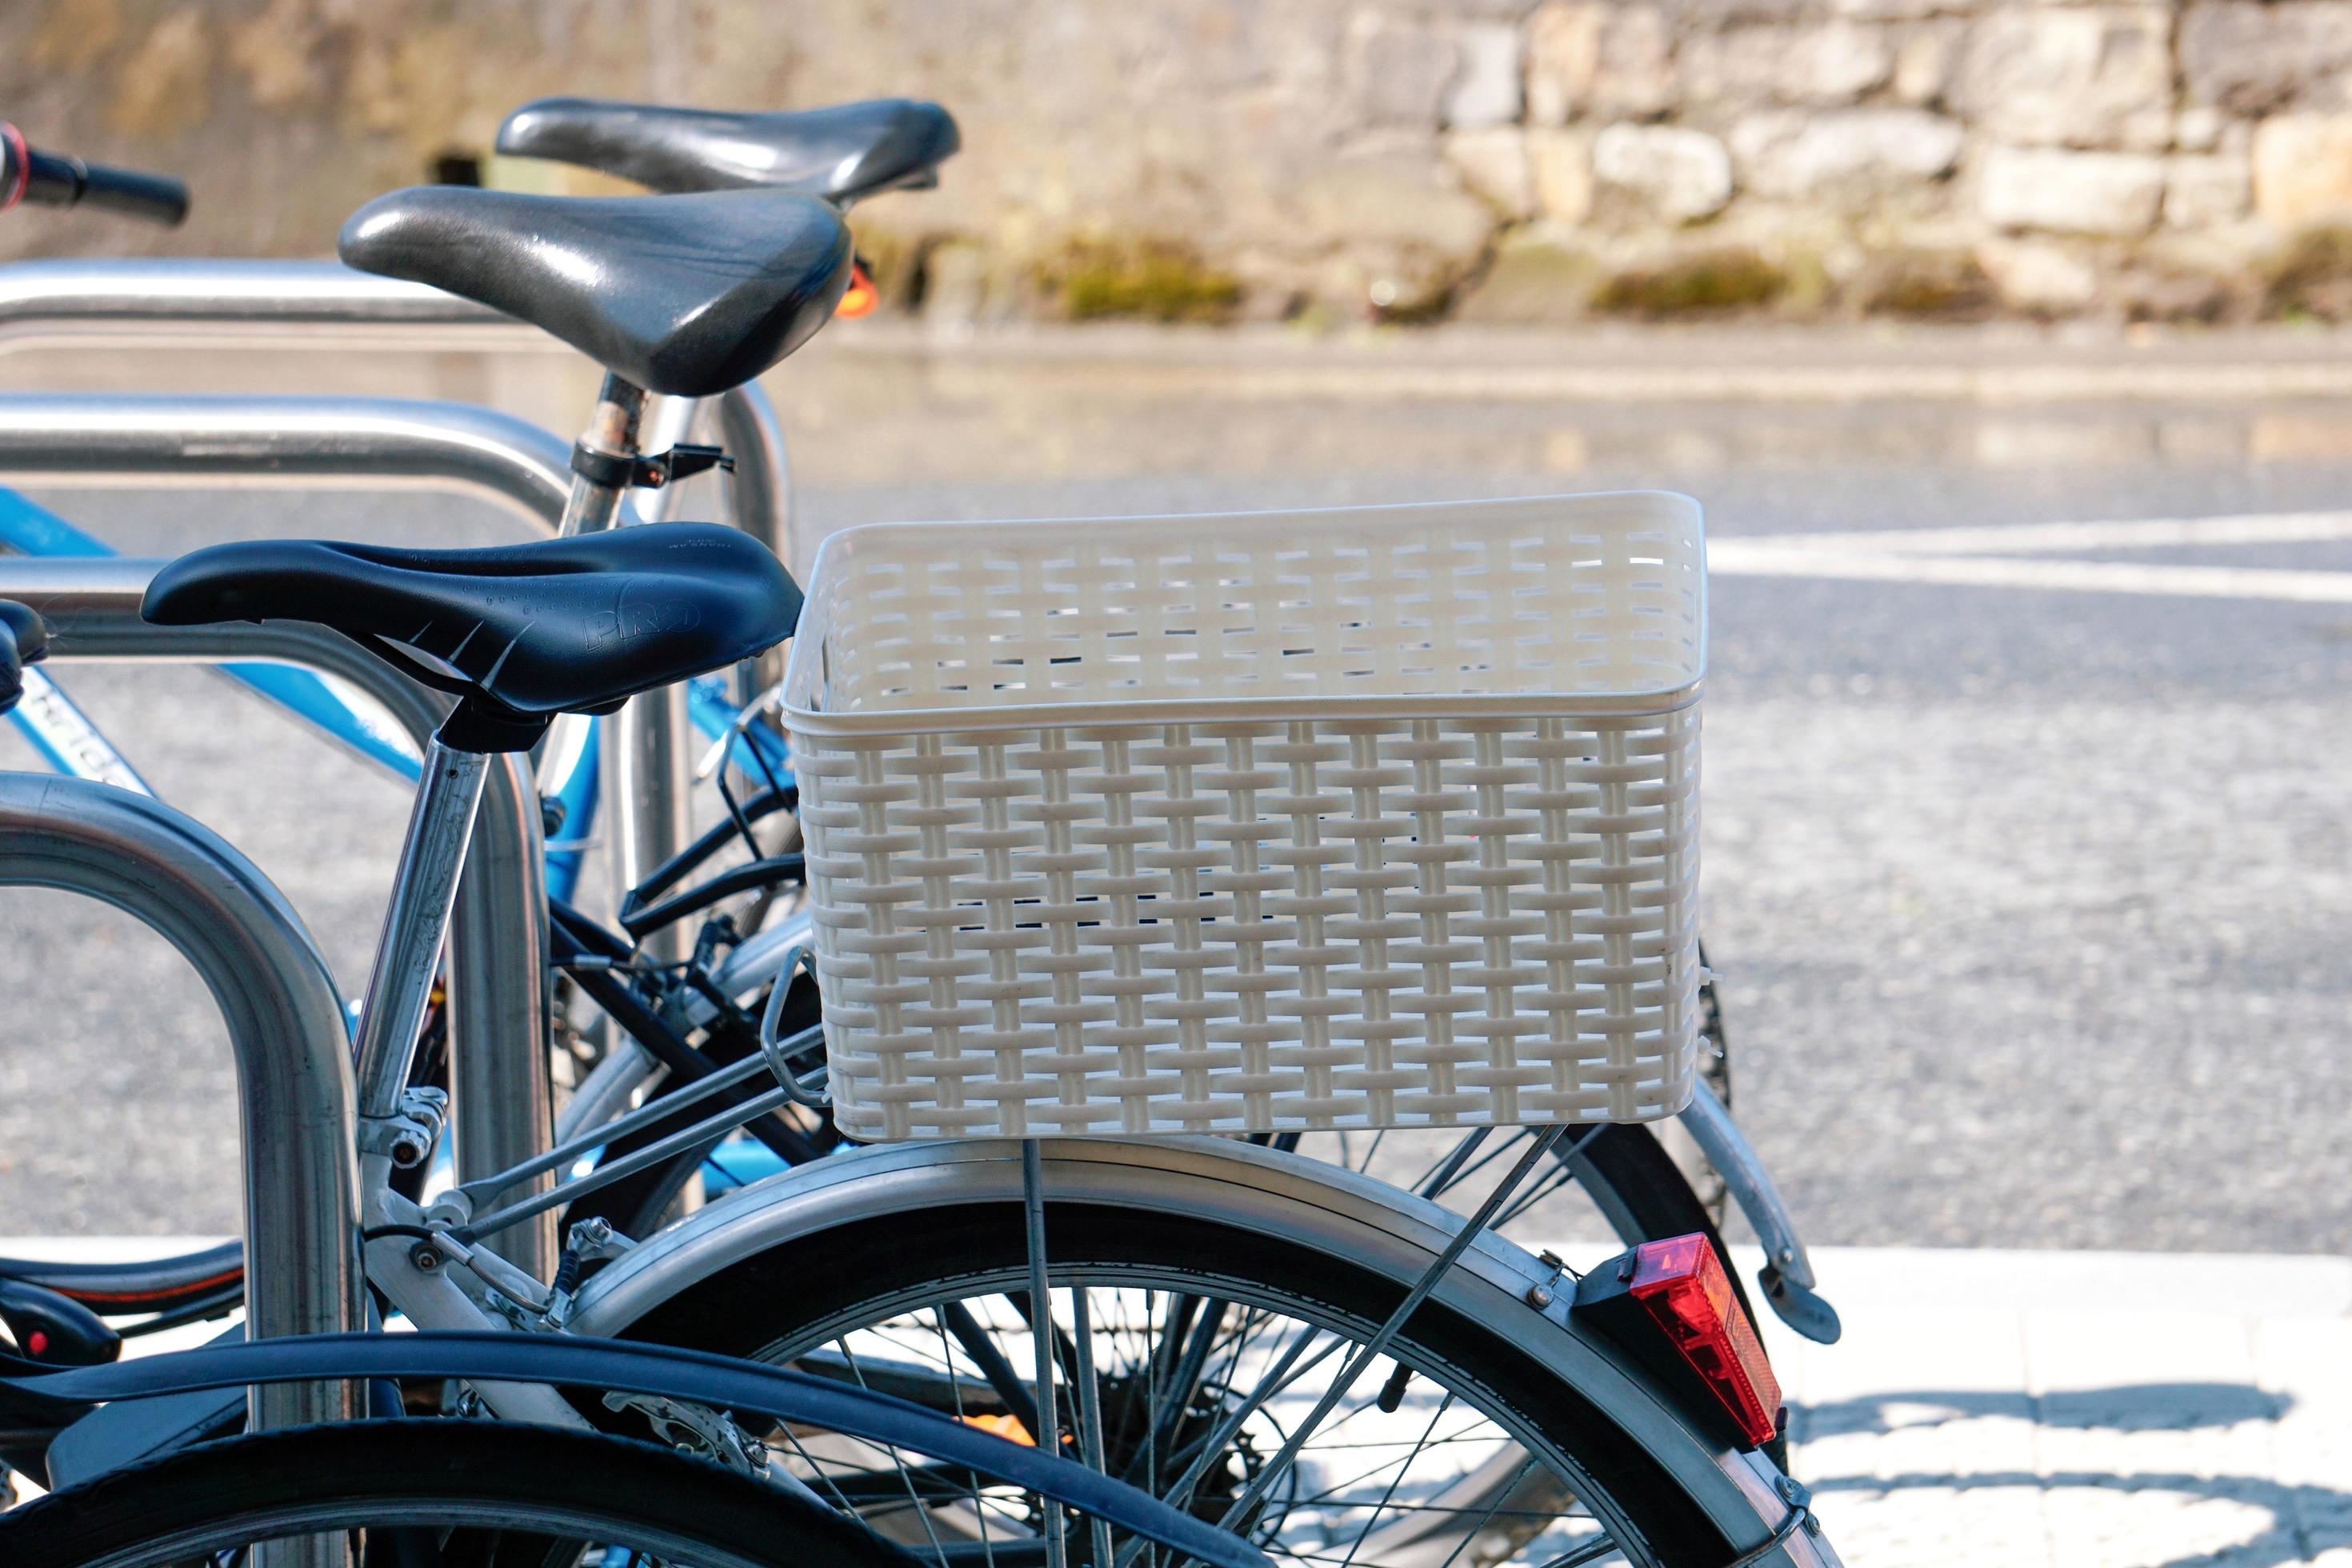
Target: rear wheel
x=1194 y=1354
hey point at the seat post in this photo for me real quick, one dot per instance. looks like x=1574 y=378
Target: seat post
x=644 y=749
x=440 y=823
x=613 y=432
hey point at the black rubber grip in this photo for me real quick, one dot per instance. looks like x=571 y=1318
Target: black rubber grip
x=55 y=180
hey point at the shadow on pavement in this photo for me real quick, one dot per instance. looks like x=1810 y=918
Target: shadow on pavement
x=2306 y=1520
x=2129 y=1407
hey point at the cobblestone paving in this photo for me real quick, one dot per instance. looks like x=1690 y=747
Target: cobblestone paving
x=2082 y=1410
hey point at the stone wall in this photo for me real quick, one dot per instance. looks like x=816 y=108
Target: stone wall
x=1494 y=160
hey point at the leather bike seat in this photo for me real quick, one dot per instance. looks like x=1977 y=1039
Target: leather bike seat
x=844 y=153
x=690 y=295
x=562 y=626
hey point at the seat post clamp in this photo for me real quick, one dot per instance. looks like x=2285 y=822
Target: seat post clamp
x=615 y=470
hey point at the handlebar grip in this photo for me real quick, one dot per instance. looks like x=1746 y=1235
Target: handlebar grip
x=54 y=180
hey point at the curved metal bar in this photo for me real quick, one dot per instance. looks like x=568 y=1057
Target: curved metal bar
x=284 y=1020
x=310 y=441
x=328 y=305
x=502 y=1096
x=696 y=1377
x=745 y=423
x=146 y=299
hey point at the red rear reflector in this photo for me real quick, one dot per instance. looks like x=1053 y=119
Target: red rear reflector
x=1670 y=1304
x=1680 y=1282
x=861 y=297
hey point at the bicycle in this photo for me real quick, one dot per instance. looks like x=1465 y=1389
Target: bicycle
x=863 y=149
x=423 y=1279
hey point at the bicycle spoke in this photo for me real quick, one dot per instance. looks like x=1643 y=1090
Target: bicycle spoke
x=1365 y=1354
x=990 y=1363
x=947 y=1358
x=921 y=1513
x=1090 y=1437
x=1519 y=1477
x=1591 y=1551
x=1041 y=1329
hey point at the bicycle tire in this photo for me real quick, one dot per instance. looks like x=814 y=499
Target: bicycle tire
x=538 y=1482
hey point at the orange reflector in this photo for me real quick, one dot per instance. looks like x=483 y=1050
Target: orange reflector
x=860 y=298
x=1675 y=1289
x=1007 y=1426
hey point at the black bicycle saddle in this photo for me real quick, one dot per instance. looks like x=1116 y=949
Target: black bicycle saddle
x=690 y=295
x=23 y=640
x=844 y=153
x=563 y=626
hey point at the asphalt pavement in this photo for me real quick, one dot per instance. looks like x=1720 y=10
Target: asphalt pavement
x=2026 y=850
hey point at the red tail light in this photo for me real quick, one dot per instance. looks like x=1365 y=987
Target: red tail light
x=859 y=300
x=1671 y=1303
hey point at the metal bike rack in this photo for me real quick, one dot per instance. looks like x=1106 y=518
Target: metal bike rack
x=324 y=441
x=501 y=1099
x=323 y=304
x=285 y=1027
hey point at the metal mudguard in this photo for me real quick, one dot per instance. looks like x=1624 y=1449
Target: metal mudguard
x=1303 y=1202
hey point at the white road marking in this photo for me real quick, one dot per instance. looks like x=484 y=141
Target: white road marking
x=2133 y=533
x=1987 y=557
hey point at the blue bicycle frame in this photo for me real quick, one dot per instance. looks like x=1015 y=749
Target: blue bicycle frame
x=70 y=744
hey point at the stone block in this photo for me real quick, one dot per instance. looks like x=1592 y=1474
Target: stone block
x=2303 y=169
x=1895 y=10
x=1563 y=59
x=1494 y=162
x=2088 y=75
x=1925 y=61
x=1860 y=152
x=2040 y=274
x=1534 y=279
x=1392 y=200
x=1560 y=166
x=1398 y=70
x=1679 y=174
x=955 y=284
x=2252 y=58
x=2198 y=130
x=1485 y=88
x=1600 y=58
x=2203 y=190
x=1832 y=63
x=2066 y=192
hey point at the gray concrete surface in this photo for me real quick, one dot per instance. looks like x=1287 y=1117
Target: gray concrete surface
x=2029 y=901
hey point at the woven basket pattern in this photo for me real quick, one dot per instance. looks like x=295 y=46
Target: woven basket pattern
x=1298 y=881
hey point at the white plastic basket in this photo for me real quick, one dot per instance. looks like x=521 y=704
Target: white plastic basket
x=1378 y=818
